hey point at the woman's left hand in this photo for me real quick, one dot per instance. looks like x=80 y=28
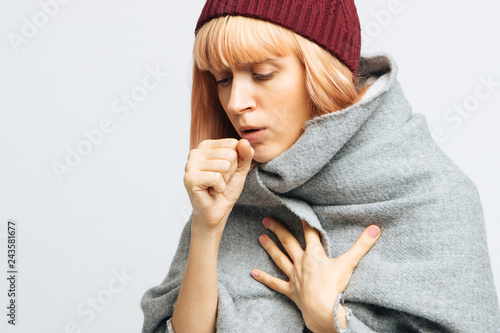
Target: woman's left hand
x=315 y=280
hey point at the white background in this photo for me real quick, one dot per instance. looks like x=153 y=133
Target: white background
x=121 y=210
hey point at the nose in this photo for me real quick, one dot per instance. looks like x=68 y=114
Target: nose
x=242 y=96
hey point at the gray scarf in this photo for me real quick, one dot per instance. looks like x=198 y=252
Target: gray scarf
x=372 y=163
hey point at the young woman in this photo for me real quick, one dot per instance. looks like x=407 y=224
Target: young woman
x=299 y=146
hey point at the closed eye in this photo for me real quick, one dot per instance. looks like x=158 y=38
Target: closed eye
x=263 y=76
x=225 y=82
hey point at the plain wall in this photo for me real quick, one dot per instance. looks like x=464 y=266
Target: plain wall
x=119 y=210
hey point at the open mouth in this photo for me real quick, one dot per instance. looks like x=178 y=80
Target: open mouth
x=253 y=134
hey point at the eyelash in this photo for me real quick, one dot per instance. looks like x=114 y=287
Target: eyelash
x=257 y=76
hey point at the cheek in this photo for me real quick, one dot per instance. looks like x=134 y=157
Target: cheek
x=223 y=102
x=222 y=99
x=295 y=106
x=294 y=91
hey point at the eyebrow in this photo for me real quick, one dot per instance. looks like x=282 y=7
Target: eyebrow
x=227 y=69
x=263 y=60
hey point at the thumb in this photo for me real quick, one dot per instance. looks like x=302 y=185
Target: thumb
x=245 y=155
x=364 y=243
x=237 y=181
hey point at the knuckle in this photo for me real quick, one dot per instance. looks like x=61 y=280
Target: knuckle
x=204 y=143
x=315 y=251
x=285 y=241
x=365 y=244
x=189 y=166
x=271 y=283
x=189 y=169
x=217 y=177
x=187 y=179
x=193 y=153
x=233 y=156
x=226 y=166
x=279 y=261
x=310 y=266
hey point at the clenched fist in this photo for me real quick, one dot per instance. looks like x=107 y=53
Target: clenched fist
x=214 y=177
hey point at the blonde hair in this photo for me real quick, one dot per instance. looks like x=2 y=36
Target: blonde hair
x=229 y=41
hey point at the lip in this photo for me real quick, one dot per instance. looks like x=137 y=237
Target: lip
x=252 y=136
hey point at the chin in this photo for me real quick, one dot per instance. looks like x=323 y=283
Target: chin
x=259 y=160
x=264 y=157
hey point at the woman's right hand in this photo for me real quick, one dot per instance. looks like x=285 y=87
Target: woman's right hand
x=214 y=177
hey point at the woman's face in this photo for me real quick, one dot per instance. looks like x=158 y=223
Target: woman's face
x=267 y=103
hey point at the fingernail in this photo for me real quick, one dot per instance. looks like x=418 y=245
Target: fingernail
x=266 y=222
x=373 y=231
x=254 y=273
x=262 y=239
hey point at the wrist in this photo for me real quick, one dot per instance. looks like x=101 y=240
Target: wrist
x=201 y=227
x=323 y=319
x=332 y=320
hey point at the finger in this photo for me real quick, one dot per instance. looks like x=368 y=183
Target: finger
x=197 y=157
x=223 y=160
x=220 y=154
x=245 y=155
x=311 y=235
x=272 y=282
x=212 y=192
x=364 y=243
x=226 y=154
x=279 y=258
x=224 y=167
x=289 y=242
x=206 y=179
x=219 y=143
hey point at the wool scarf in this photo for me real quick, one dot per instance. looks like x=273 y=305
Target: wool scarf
x=372 y=163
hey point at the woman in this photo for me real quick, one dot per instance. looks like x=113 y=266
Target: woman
x=310 y=146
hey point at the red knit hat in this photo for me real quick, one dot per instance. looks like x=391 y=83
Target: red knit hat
x=332 y=24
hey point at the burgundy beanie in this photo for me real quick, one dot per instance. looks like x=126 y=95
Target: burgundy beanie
x=332 y=24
